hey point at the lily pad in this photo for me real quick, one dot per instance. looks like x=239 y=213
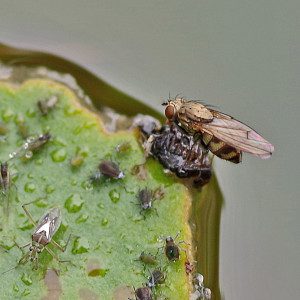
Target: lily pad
x=112 y=232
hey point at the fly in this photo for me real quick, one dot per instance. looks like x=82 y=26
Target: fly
x=224 y=136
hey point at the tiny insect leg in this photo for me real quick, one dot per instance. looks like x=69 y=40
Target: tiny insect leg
x=30 y=217
x=58 y=246
x=53 y=254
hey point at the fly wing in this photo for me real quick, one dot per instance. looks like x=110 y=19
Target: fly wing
x=237 y=135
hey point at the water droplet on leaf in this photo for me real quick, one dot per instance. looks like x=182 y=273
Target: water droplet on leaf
x=114 y=196
x=59 y=155
x=74 y=203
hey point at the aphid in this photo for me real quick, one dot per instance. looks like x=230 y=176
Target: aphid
x=123 y=148
x=148 y=259
x=5 y=183
x=145 y=198
x=31 y=145
x=110 y=169
x=46 y=105
x=224 y=136
x=42 y=236
x=156 y=277
x=4 y=177
x=181 y=153
x=172 y=250
x=143 y=293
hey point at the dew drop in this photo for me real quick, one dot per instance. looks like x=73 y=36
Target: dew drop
x=7 y=115
x=82 y=218
x=12 y=154
x=26 y=225
x=74 y=203
x=88 y=125
x=15 y=288
x=26 y=279
x=77 y=161
x=101 y=205
x=104 y=222
x=39 y=162
x=41 y=202
x=7 y=243
x=29 y=187
x=74 y=182
x=81 y=245
x=87 y=185
x=83 y=151
x=26 y=292
x=30 y=113
x=49 y=189
x=70 y=110
x=114 y=196
x=28 y=154
x=59 y=155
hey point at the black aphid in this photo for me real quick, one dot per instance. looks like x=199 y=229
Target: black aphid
x=143 y=293
x=172 y=250
x=110 y=169
x=145 y=198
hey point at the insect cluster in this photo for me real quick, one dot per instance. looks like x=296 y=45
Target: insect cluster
x=44 y=231
x=182 y=146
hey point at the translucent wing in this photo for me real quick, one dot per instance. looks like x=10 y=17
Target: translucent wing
x=49 y=223
x=237 y=135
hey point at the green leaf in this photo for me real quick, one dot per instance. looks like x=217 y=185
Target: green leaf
x=108 y=231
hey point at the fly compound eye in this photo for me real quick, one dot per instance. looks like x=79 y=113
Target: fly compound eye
x=170 y=112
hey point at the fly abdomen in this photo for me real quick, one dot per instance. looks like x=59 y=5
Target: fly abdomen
x=223 y=150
